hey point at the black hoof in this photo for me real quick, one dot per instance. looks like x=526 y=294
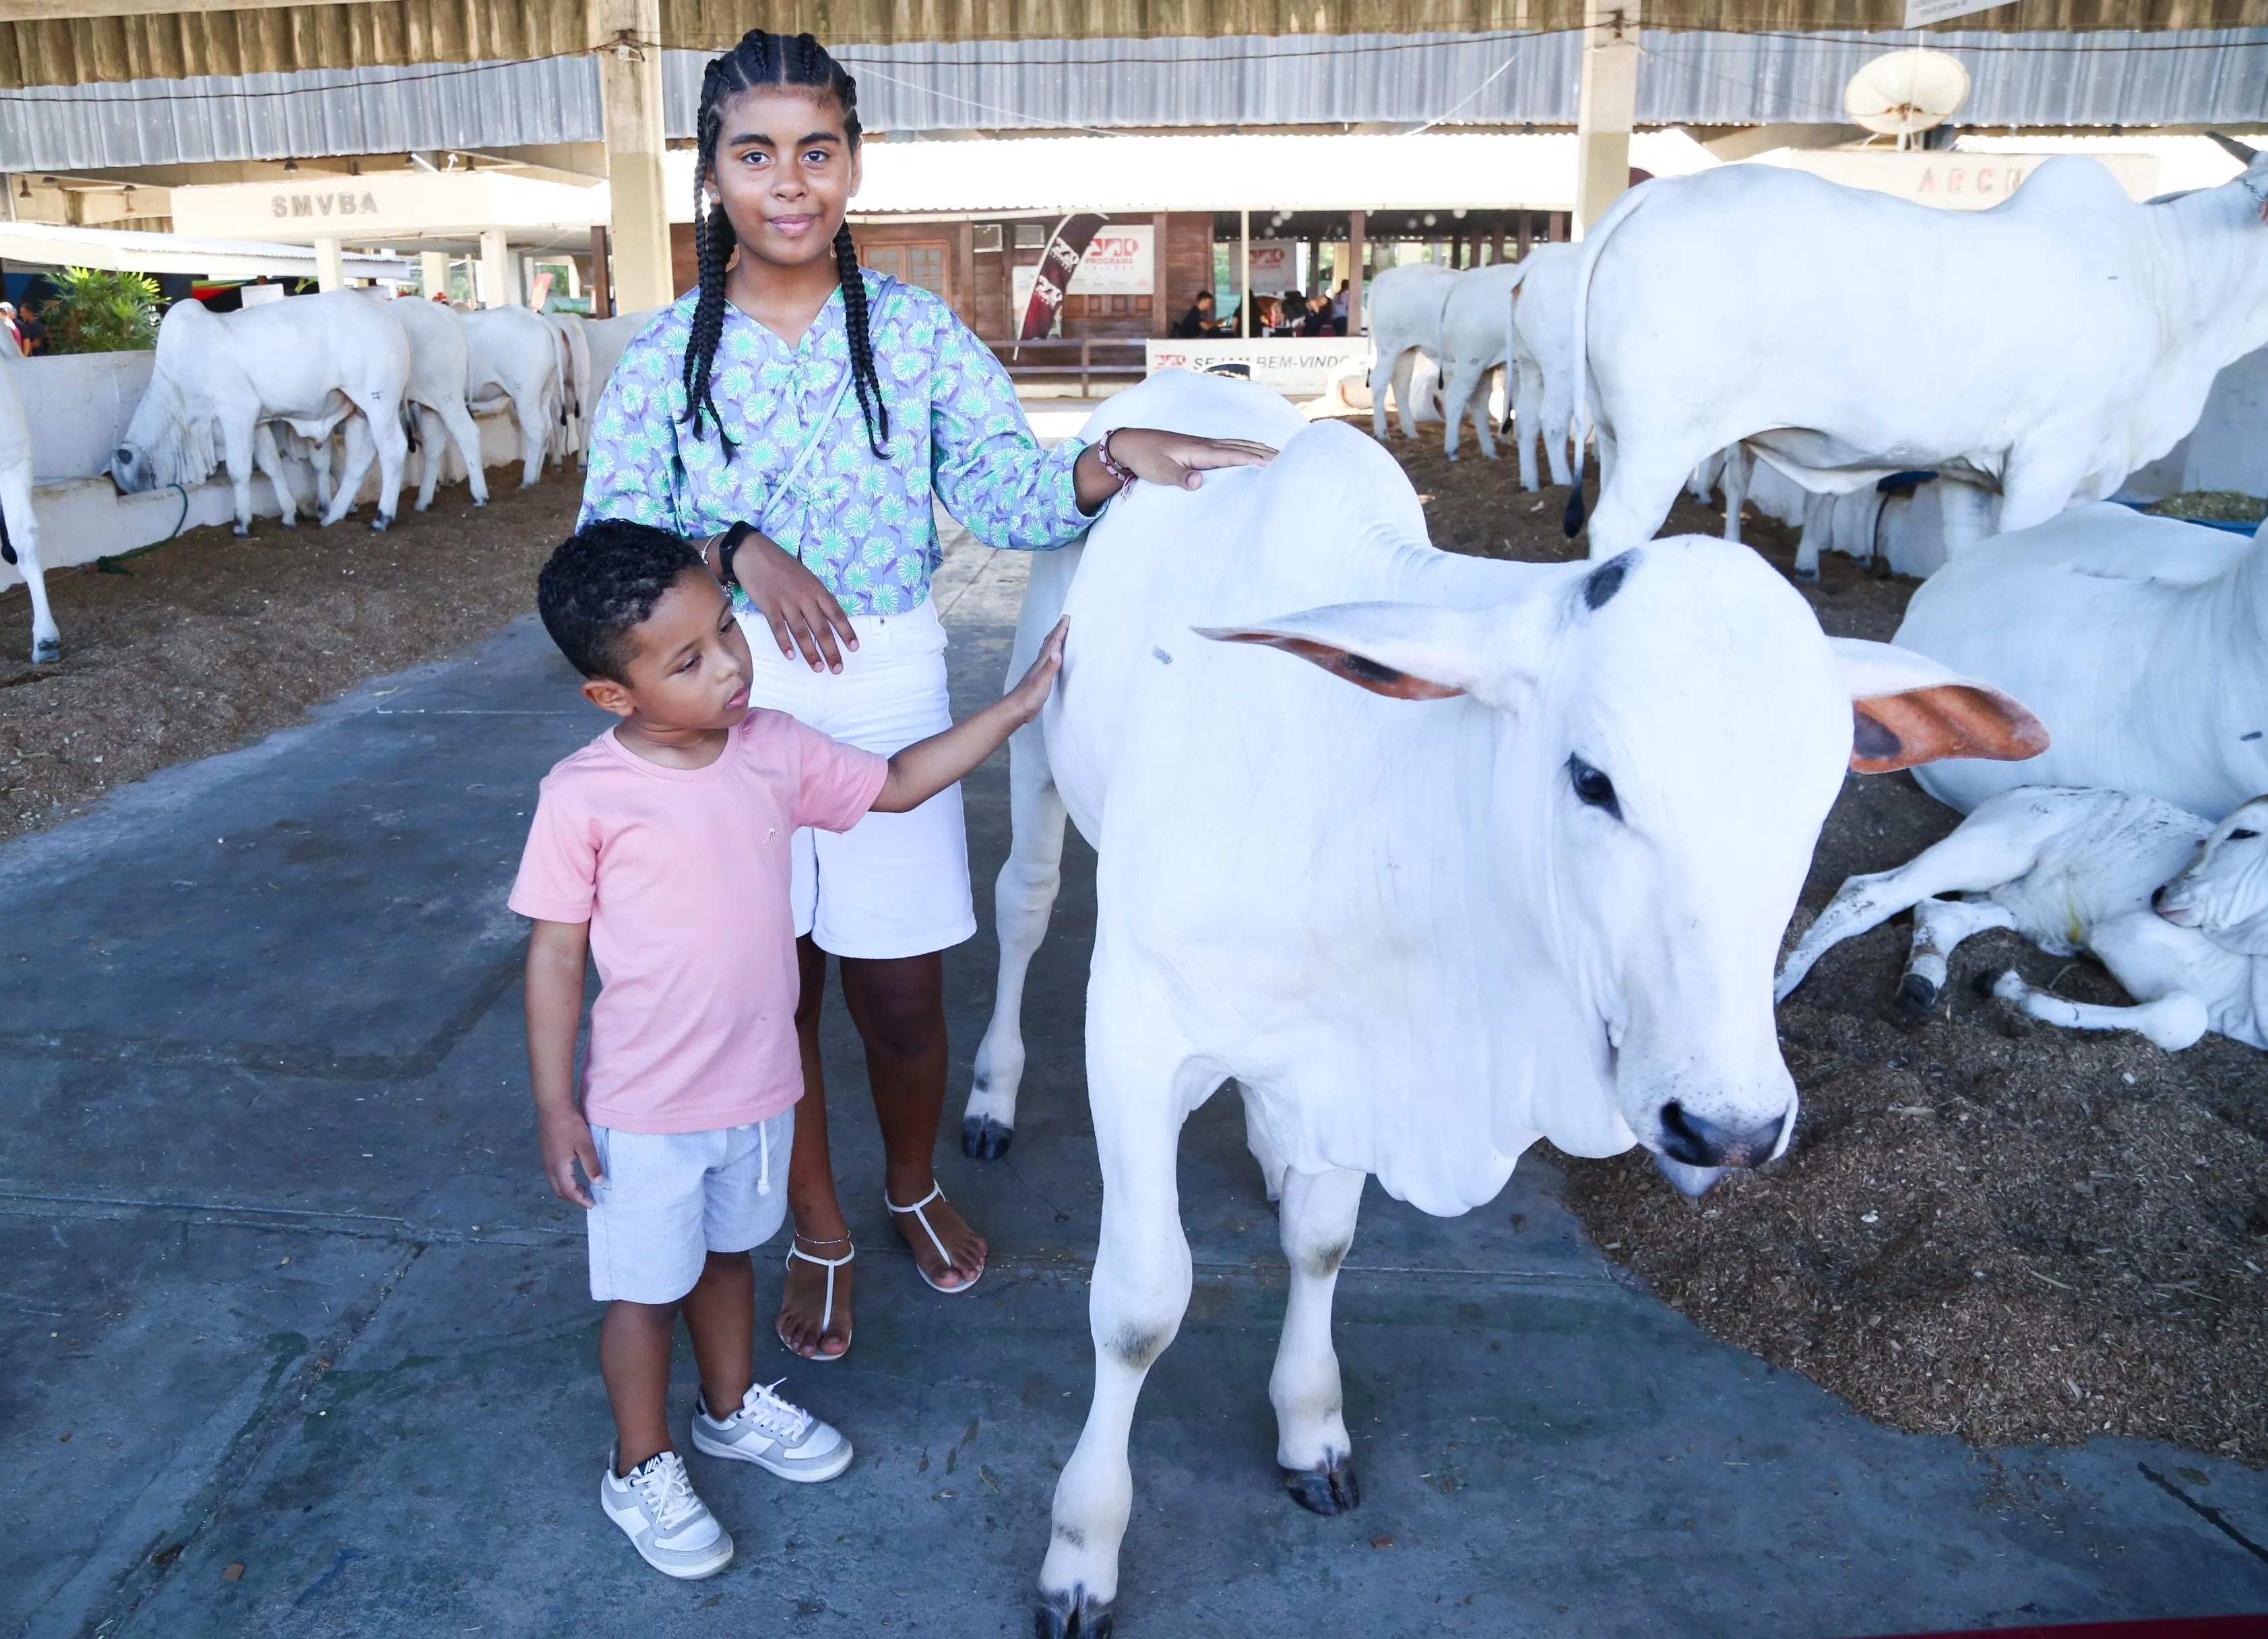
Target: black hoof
x=381 y=522
x=1330 y=1490
x=46 y=653
x=1071 y=1615
x=1917 y=996
x=1809 y=577
x=243 y=531
x=983 y=1139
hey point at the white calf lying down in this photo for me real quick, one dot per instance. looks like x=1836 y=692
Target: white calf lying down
x=19 y=530
x=2077 y=870
x=312 y=362
x=2142 y=642
x=1509 y=859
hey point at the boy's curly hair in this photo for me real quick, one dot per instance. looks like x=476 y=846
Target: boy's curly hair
x=601 y=583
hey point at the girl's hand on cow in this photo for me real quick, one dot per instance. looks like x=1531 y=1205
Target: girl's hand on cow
x=1156 y=456
x=801 y=611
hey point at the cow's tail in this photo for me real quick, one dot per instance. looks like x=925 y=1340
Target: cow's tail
x=1594 y=244
x=1510 y=370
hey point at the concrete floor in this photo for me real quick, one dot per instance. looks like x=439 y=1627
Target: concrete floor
x=298 y=1343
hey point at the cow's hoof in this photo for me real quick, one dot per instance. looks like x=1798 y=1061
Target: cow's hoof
x=1071 y=1614
x=289 y=523
x=1917 y=996
x=43 y=654
x=983 y=1139
x=1330 y=1490
x=242 y=530
x=1809 y=577
x=382 y=522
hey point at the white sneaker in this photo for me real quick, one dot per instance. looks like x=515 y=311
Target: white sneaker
x=665 y=1520
x=770 y=1432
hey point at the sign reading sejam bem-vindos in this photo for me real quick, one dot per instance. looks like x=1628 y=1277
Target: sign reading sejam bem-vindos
x=1057 y=262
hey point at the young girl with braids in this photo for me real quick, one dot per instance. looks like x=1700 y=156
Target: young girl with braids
x=793 y=414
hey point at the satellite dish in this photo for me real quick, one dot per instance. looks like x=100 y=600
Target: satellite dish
x=1906 y=92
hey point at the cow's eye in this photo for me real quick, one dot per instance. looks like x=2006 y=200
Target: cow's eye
x=1593 y=786
x=2242 y=836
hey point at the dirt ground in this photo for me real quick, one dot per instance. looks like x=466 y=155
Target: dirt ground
x=1985 y=1226
x=210 y=642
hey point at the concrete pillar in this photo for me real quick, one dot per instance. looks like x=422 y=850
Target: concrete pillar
x=330 y=266
x=1357 y=220
x=1607 y=107
x=494 y=274
x=433 y=273
x=626 y=35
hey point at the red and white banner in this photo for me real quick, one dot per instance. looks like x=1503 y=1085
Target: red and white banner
x=1057 y=262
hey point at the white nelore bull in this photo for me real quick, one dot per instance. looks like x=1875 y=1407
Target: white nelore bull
x=515 y=357
x=1403 y=308
x=1543 y=348
x=1476 y=342
x=438 y=355
x=2045 y=348
x=20 y=529
x=575 y=385
x=1510 y=860
x=2076 y=871
x=2141 y=643
x=311 y=362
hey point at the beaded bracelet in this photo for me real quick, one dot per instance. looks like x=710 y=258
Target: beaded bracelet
x=1116 y=468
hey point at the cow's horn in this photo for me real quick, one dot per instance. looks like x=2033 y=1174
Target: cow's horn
x=2244 y=153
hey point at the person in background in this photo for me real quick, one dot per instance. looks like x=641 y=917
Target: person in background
x=1339 y=310
x=1198 y=321
x=1317 y=319
x=32 y=334
x=8 y=323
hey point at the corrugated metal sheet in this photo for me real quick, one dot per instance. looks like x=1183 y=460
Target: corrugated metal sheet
x=181 y=44
x=1703 y=78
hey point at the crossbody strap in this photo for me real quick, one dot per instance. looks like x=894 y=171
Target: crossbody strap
x=786 y=484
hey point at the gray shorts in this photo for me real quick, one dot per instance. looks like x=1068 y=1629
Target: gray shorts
x=665 y=1200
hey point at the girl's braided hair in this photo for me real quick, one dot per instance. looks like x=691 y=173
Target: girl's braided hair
x=769 y=59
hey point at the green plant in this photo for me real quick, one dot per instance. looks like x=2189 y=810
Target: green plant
x=95 y=311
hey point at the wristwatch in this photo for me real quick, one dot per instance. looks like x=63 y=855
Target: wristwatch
x=730 y=544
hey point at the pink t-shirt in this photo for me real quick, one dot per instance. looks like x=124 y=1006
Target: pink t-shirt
x=683 y=874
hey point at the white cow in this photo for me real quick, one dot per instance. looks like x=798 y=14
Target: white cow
x=439 y=353
x=514 y=358
x=312 y=362
x=607 y=339
x=2043 y=349
x=2142 y=642
x=2074 y=870
x=1476 y=342
x=20 y=529
x=575 y=379
x=1402 y=307
x=1510 y=860
x=1543 y=348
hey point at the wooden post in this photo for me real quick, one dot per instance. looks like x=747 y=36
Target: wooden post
x=1526 y=228
x=1086 y=366
x=1244 y=274
x=1161 y=265
x=1356 y=221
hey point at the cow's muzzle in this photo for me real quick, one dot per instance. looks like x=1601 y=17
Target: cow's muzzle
x=1698 y=1141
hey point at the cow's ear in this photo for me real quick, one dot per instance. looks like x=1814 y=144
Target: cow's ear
x=1907 y=709
x=1405 y=651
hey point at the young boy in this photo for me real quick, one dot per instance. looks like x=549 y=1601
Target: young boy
x=661 y=848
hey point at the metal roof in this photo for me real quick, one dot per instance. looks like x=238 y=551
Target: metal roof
x=2104 y=78
x=40 y=243
x=37 y=49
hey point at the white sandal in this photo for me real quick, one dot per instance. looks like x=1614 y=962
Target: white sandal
x=935 y=1193
x=826 y=1311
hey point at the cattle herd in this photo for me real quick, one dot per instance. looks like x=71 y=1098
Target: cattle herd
x=1511 y=855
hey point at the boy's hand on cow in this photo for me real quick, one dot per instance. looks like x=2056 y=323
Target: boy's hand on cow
x=564 y=1137
x=801 y=611
x=1032 y=690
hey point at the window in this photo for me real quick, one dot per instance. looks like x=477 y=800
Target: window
x=987 y=236
x=911 y=261
x=1031 y=235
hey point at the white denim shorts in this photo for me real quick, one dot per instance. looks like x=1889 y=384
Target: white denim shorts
x=665 y=1200
x=894 y=884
